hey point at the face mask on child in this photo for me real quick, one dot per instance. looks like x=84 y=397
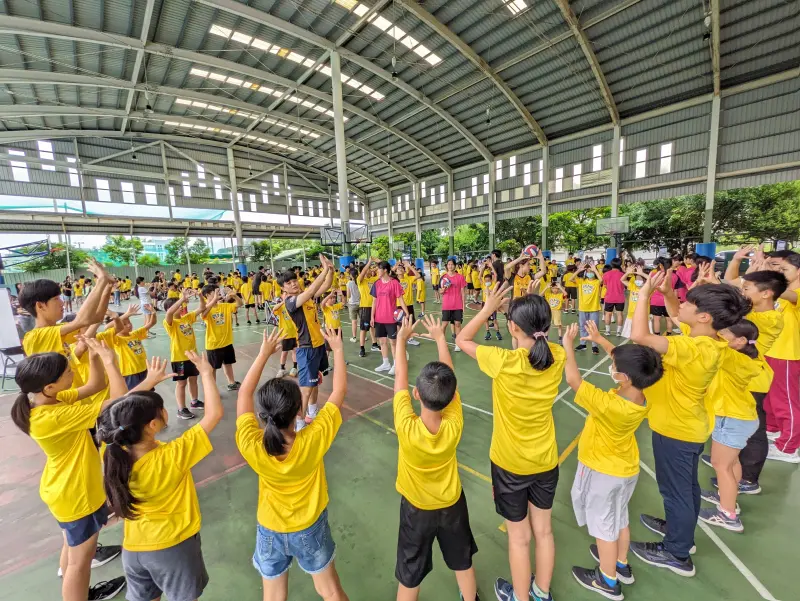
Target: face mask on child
x=640 y=283
x=590 y=275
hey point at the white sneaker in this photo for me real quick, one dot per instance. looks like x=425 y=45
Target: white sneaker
x=391 y=371
x=353 y=339
x=281 y=373
x=778 y=455
x=312 y=411
x=293 y=372
x=299 y=424
x=383 y=367
x=458 y=350
x=773 y=436
x=412 y=342
x=607 y=333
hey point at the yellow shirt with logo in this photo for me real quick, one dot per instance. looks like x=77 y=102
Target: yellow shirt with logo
x=181 y=336
x=72 y=480
x=219 y=325
x=435 y=275
x=770 y=325
x=679 y=404
x=427 y=468
x=554 y=299
x=521 y=285
x=161 y=481
x=285 y=321
x=787 y=345
x=130 y=352
x=292 y=490
x=364 y=287
x=588 y=294
x=608 y=441
x=729 y=390
x=523 y=434
x=407 y=283
x=633 y=296
x=48 y=340
x=420 y=285
x=331 y=314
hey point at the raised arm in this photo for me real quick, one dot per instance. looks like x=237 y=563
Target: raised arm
x=97 y=375
x=176 y=306
x=116 y=383
x=311 y=291
x=640 y=326
x=496 y=299
x=157 y=372
x=732 y=271
x=508 y=269
x=90 y=311
x=269 y=345
x=326 y=284
x=150 y=319
x=339 y=391
x=365 y=269
x=212 y=300
x=671 y=302
x=541 y=267
x=595 y=336
x=405 y=332
x=571 y=371
x=213 y=411
x=437 y=334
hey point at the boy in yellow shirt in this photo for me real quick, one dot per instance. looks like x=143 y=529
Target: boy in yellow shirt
x=289 y=343
x=249 y=299
x=331 y=311
x=555 y=295
x=432 y=505
x=218 y=316
x=589 y=281
x=178 y=324
x=435 y=276
x=366 y=278
x=571 y=287
x=172 y=291
x=608 y=456
x=127 y=343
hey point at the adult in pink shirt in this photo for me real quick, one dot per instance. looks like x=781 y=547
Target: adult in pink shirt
x=453 y=299
x=615 y=295
x=684 y=269
x=387 y=290
x=657 y=306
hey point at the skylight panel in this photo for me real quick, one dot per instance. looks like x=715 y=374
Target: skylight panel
x=200 y=72
x=433 y=59
x=326 y=70
x=422 y=50
x=128 y=195
x=241 y=37
x=396 y=32
x=235 y=81
x=409 y=42
x=74 y=180
x=201 y=105
x=173 y=123
x=360 y=10
x=381 y=23
x=103 y=192
x=217 y=76
x=183 y=101
x=220 y=31
x=19 y=170
x=348 y=4
x=150 y=195
x=16 y=153
x=515 y=6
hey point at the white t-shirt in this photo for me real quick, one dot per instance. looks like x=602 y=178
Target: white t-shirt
x=353 y=294
x=144 y=298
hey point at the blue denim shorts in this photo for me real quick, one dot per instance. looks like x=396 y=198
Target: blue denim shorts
x=310 y=362
x=313 y=547
x=732 y=432
x=81 y=530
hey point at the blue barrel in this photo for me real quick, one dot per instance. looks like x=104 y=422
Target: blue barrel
x=707 y=249
x=611 y=253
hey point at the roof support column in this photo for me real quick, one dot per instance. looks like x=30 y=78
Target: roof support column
x=165 y=170
x=451 y=196
x=492 y=195
x=417 y=205
x=237 y=220
x=389 y=224
x=545 y=192
x=341 y=151
x=615 y=143
x=288 y=196
x=711 y=182
x=80 y=174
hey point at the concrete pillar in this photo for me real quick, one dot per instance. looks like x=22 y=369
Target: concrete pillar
x=492 y=196
x=417 y=193
x=711 y=181
x=545 y=192
x=451 y=196
x=615 y=143
x=389 y=221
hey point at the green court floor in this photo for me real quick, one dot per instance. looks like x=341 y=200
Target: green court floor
x=361 y=470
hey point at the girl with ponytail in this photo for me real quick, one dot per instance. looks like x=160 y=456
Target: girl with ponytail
x=292 y=488
x=523 y=453
x=149 y=484
x=58 y=418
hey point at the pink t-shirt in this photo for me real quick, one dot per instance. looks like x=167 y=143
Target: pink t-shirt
x=386 y=295
x=657 y=299
x=685 y=275
x=615 y=291
x=451 y=298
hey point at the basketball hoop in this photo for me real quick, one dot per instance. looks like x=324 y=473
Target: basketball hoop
x=613 y=226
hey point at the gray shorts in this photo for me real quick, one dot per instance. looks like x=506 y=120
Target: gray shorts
x=178 y=572
x=601 y=502
x=353 y=312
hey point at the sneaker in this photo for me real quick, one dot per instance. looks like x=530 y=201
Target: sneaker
x=773 y=436
x=107 y=589
x=362 y=353
x=198 y=404
x=391 y=370
x=248 y=322
x=624 y=575
x=258 y=321
x=715 y=517
x=593 y=580
x=504 y=590
x=375 y=348
x=353 y=339
x=488 y=336
x=656 y=555
x=151 y=334
x=281 y=373
x=234 y=386
x=560 y=340
x=499 y=335
x=580 y=347
x=185 y=414
x=383 y=367
x=293 y=372
x=456 y=349
x=777 y=455
x=103 y=554
x=421 y=314
x=706 y=459
x=536 y=597
x=299 y=424
x=659 y=526
x=745 y=487
x=595 y=350
x=312 y=413
x=412 y=342
x=607 y=333
x=712 y=496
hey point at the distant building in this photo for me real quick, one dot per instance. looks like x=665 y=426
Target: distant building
x=156 y=246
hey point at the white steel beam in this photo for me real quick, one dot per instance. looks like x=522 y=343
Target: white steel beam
x=341 y=158
x=467 y=52
x=711 y=173
x=137 y=65
x=715 y=45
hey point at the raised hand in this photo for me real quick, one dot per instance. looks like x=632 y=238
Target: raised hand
x=333 y=339
x=101 y=349
x=406 y=330
x=157 y=371
x=592 y=333
x=271 y=341
x=132 y=310
x=200 y=362
x=434 y=327
x=666 y=285
x=744 y=251
x=534 y=286
x=97 y=270
x=653 y=282
x=571 y=333
x=497 y=297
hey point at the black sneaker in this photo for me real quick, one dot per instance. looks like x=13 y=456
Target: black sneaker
x=104 y=554
x=499 y=335
x=595 y=350
x=375 y=348
x=488 y=336
x=477 y=596
x=745 y=487
x=185 y=414
x=593 y=580
x=234 y=386
x=362 y=352
x=248 y=322
x=107 y=589
x=656 y=555
x=659 y=526
x=258 y=321
x=580 y=347
x=198 y=404
x=624 y=575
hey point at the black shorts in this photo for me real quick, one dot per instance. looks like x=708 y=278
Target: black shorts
x=453 y=315
x=183 y=370
x=249 y=305
x=221 y=356
x=513 y=492
x=288 y=344
x=239 y=294
x=470 y=287
x=419 y=528
x=364 y=317
x=609 y=307
x=572 y=292
x=436 y=286
x=411 y=312
x=658 y=311
x=386 y=330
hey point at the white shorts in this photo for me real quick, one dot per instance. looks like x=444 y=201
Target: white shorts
x=601 y=502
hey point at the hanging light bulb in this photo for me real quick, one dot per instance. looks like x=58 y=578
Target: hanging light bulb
x=488 y=117
x=148 y=108
x=394 y=68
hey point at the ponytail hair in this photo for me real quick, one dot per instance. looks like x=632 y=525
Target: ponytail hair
x=33 y=374
x=748 y=330
x=532 y=315
x=120 y=426
x=277 y=402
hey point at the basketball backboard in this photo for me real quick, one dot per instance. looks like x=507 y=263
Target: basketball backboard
x=611 y=226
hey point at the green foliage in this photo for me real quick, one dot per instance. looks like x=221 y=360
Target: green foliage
x=177 y=247
x=575 y=230
x=380 y=247
x=121 y=250
x=148 y=260
x=57 y=259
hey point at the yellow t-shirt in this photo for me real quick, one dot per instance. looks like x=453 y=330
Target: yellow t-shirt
x=181 y=336
x=554 y=299
x=168 y=510
x=787 y=345
x=569 y=280
x=72 y=481
x=276 y=288
x=195 y=284
x=608 y=441
x=679 y=404
x=523 y=434
x=521 y=285
x=427 y=468
x=364 y=286
x=588 y=294
x=285 y=321
x=420 y=284
x=247 y=293
x=236 y=283
x=177 y=276
x=331 y=315
x=173 y=294
x=293 y=491
x=219 y=325
x=633 y=296
x=475 y=277
x=48 y=340
x=435 y=276
x=552 y=271
x=729 y=390
x=569 y=261
x=265 y=288
x=770 y=325
x=130 y=352
x=77 y=288
x=407 y=284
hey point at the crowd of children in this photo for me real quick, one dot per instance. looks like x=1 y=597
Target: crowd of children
x=729 y=372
